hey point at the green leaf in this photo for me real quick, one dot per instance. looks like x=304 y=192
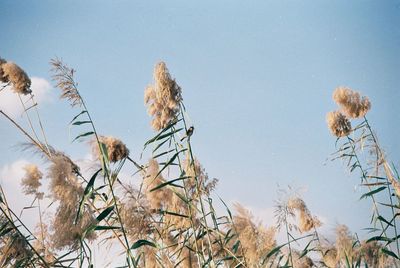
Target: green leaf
x=235 y=246
x=384 y=220
x=166 y=135
x=173 y=213
x=6 y=231
x=274 y=250
x=170 y=161
x=161 y=136
x=105 y=213
x=305 y=250
x=379 y=238
x=171 y=182
x=347 y=261
x=143 y=242
x=89 y=186
x=373 y=192
x=226 y=206
x=101 y=228
x=390 y=253
x=160 y=144
x=391 y=206
x=84 y=135
x=182 y=197
x=376 y=177
x=78 y=116
x=77 y=123
x=163 y=153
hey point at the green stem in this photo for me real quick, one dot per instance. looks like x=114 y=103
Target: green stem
x=379 y=156
x=188 y=205
x=199 y=190
x=365 y=178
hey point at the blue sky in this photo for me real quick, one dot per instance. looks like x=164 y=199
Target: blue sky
x=257 y=80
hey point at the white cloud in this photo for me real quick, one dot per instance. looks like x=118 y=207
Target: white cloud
x=10 y=103
x=10 y=179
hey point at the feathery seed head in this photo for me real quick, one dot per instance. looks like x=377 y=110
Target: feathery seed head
x=31 y=181
x=116 y=149
x=64 y=184
x=64 y=78
x=160 y=197
x=306 y=221
x=11 y=72
x=300 y=261
x=330 y=257
x=351 y=103
x=195 y=171
x=338 y=124
x=255 y=239
x=162 y=98
x=344 y=242
x=66 y=189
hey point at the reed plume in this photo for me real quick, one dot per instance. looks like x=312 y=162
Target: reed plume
x=255 y=239
x=116 y=149
x=306 y=221
x=64 y=78
x=16 y=76
x=31 y=181
x=338 y=124
x=163 y=97
x=351 y=102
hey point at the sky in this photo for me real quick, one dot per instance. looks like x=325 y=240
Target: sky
x=257 y=80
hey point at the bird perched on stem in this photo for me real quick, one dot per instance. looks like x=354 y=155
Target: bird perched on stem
x=189 y=133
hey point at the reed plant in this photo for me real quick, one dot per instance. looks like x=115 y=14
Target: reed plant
x=169 y=219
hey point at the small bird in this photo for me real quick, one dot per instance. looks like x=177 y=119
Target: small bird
x=189 y=133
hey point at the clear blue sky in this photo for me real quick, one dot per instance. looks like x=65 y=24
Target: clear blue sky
x=257 y=79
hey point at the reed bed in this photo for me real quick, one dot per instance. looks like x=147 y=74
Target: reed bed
x=169 y=219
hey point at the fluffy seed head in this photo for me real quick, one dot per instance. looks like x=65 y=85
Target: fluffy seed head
x=66 y=189
x=64 y=78
x=136 y=220
x=162 y=98
x=161 y=197
x=351 y=103
x=64 y=184
x=330 y=258
x=11 y=72
x=255 y=239
x=31 y=181
x=65 y=232
x=300 y=261
x=344 y=242
x=306 y=221
x=338 y=124
x=371 y=253
x=116 y=149
x=204 y=185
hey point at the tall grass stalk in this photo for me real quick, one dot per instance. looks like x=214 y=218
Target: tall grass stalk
x=169 y=219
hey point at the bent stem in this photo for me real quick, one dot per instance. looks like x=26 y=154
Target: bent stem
x=381 y=159
x=365 y=178
x=199 y=190
x=189 y=206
